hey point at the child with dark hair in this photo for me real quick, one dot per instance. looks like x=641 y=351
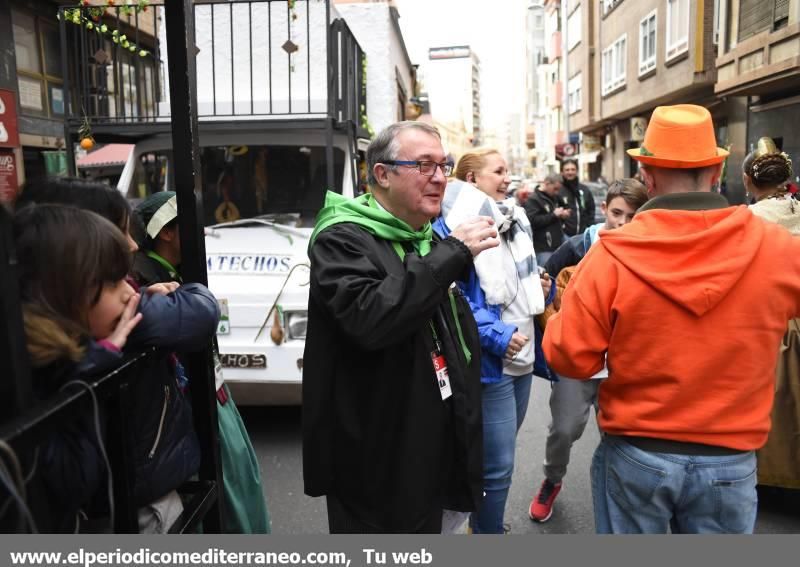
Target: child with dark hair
x=571 y=401
x=75 y=324
x=244 y=506
x=74 y=266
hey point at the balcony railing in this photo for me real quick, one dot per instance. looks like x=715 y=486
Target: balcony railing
x=256 y=59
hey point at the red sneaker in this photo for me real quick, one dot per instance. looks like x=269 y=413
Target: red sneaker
x=542 y=504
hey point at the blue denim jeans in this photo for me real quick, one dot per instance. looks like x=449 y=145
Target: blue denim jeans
x=504 y=406
x=636 y=491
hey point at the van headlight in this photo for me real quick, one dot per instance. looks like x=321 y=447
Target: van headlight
x=296 y=324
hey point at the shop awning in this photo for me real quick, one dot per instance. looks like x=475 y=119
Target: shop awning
x=107 y=156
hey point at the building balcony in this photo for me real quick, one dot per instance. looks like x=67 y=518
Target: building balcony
x=257 y=60
x=556 y=94
x=764 y=63
x=555 y=46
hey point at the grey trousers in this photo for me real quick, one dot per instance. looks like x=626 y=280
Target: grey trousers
x=570 y=403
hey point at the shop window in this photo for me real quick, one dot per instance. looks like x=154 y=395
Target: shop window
x=37 y=46
x=647 y=43
x=677 y=28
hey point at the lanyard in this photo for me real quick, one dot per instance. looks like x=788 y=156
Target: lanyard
x=467 y=354
x=173 y=273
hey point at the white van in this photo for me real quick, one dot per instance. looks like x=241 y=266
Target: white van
x=261 y=193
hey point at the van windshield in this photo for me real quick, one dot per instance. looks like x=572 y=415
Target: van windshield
x=241 y=182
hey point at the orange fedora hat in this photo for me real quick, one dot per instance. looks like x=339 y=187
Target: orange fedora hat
x=680 y=137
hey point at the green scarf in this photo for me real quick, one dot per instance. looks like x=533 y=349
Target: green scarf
x=364 y=212
x=171 y=270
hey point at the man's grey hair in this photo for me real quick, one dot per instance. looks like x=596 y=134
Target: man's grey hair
x=385 y=146
x=554 y=179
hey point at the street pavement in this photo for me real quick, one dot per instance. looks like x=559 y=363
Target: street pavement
x=276 y=436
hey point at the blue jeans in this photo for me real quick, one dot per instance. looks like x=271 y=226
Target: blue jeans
x=636 y=491
x=504 y=406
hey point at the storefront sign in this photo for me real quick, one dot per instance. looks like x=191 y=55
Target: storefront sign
x=9 y=137
x=30 y=94
x=591 y=143
x=9 y=186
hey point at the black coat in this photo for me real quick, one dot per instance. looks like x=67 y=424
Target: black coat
x=376 y=432
x=580 y=201
x=164 y=448
x=547 y=227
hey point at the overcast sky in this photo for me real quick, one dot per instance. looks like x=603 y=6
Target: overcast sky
x=493 y=28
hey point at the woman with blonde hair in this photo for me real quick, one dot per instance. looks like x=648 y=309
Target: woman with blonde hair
x=505 y=293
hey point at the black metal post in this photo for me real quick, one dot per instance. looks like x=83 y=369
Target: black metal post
x=185 y=143
x=331 y=95
x=65 y=69
x=15 y=389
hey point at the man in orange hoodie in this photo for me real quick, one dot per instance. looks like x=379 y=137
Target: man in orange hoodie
x=691 y=362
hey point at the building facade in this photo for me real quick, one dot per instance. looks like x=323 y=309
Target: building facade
x=391 y=77
x=609 y=63
x=758 y=68
x=453 y=84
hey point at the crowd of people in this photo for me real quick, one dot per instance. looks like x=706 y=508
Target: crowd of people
x=435 y=300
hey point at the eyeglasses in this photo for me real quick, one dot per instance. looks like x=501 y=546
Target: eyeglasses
x=425 y=167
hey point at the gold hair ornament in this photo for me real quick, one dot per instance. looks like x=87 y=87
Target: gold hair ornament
x=766 y=146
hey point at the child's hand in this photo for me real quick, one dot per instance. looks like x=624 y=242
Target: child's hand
x=164 y=288
x=127 y=321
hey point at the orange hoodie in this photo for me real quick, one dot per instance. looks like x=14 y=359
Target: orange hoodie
x=691 y=307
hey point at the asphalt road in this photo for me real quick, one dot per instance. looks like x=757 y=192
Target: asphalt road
x=276 y=436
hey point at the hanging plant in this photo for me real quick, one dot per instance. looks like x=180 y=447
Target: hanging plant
x=85 y=133
x=363 y=108
x=89 y=17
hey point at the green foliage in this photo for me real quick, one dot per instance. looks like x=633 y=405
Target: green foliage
x=90 y=17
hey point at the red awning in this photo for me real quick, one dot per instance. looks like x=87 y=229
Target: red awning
x=108 y=155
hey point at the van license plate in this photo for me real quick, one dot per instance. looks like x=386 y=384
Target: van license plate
x=243 y=360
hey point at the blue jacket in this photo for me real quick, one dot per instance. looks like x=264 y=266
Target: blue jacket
x=161 y=437
x=493 y=332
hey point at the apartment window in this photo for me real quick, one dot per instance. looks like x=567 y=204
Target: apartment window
x=607 y=5
x=574 y=25
x=677 y=28
x=37 y=45
x=647 y=43
x=613 y=71
x=756 y=16
x=574 y=92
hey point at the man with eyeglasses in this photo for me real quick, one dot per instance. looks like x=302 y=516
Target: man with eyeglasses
x=391 y=382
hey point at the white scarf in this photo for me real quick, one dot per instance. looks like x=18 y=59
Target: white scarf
x=462 y=201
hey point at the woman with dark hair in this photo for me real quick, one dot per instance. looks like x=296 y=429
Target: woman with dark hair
x=766 y=172
x=89 y=195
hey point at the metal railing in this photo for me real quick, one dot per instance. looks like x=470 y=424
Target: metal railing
x=255 y=59
x=27 y=423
